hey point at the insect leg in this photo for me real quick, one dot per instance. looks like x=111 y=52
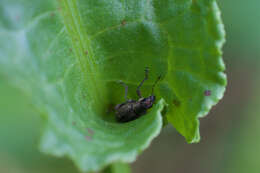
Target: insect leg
x=126 y=89
x=145 y=78
x=159 y=77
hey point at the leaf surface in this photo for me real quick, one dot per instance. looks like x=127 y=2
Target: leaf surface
x=69 y=56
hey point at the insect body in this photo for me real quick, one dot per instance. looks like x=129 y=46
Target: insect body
x=132 y=109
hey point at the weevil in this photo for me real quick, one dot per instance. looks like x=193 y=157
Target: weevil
x=133 y=109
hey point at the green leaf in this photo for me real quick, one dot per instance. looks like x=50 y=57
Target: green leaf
x=68 y=56
x=19 y=131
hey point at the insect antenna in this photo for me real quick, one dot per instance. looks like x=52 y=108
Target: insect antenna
x=159 y=77
x=145 y=78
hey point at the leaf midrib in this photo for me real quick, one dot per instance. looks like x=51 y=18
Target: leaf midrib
x=81 y=47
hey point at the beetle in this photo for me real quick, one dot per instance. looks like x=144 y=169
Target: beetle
x=133 y=109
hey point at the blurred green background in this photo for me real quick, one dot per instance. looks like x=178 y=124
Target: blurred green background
x=230 y=133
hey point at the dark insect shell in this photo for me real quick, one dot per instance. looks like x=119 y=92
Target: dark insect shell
x=131 y=109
